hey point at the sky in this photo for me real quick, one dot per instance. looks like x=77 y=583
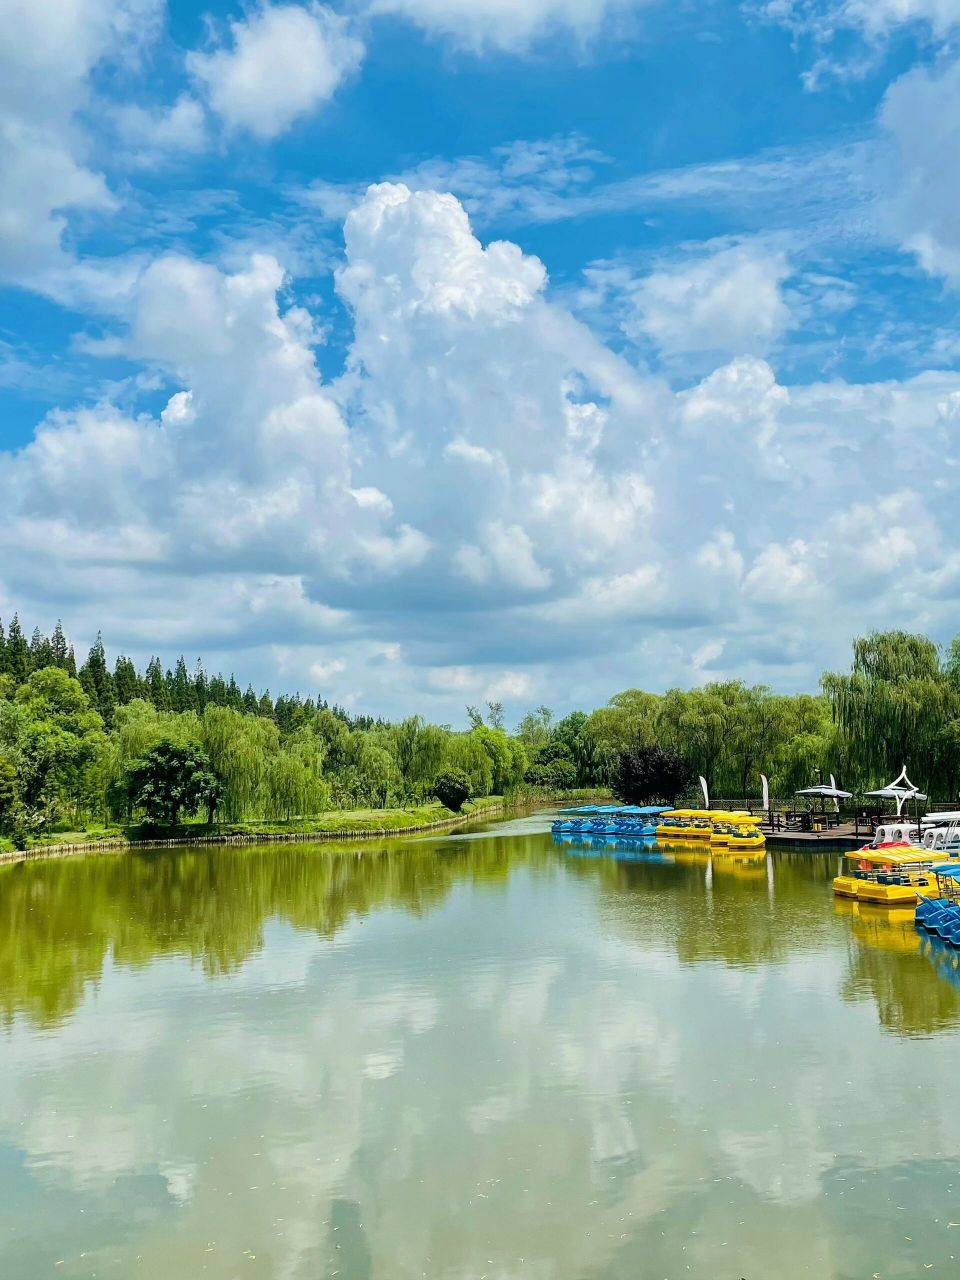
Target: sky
x=417 y=353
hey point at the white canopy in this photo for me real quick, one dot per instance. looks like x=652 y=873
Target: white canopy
x=830 y=793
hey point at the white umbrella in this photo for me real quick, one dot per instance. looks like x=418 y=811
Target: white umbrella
x=828 y=793
x=824 y=792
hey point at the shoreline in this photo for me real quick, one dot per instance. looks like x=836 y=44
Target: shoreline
x=118 y=844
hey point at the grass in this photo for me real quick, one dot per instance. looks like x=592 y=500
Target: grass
x=347 y=821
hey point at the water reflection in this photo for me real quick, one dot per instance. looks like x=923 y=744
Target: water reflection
x=476 y=1056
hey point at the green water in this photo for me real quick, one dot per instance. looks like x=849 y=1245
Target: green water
x=477 y=1056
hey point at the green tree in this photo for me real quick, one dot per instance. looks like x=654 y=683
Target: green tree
x=55 y=738
x=172 y=779
x=17 y=652
x=8 y=794
x=651 y=775
x=452 y=789
x=97 y=681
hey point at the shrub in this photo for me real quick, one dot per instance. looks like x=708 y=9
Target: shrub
x=452 y=788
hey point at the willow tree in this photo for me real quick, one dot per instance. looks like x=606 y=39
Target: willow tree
x=896 y=707
x=240 y=747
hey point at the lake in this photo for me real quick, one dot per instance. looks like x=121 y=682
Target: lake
x=484 y=1056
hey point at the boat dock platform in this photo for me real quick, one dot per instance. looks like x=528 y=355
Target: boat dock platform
x=843 y=836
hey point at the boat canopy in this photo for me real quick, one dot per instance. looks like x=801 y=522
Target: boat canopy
x=890 y=857
x=933 y=819
x=948 y=870
x=828 y=793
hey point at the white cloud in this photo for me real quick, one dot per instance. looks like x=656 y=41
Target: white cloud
x=283 y=63
x=920 y=122
x=505 y=24
x=47 y=54
x=875 y=18
x=487 y=493
x=728 y=301
x=782 y=575
x=151 y=134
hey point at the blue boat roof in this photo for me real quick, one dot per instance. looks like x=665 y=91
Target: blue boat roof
x=948 y=870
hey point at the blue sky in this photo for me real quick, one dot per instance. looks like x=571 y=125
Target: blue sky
x=418 y=352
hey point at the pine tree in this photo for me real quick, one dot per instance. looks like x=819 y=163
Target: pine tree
x=217 y=693
x=181 y=692
x=3 y=650
x=125 y=680
x=234 y=696
x=201 y=693
x=265 y=705
x=250 y=703
x=41 y=651
x=98 y=682
x=18 y=652
x=59 y=646
x=156 y=687
x=70 y=665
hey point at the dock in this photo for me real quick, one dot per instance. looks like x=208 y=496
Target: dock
x=845 y=836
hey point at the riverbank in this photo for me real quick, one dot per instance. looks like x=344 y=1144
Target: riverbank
x=355 y=824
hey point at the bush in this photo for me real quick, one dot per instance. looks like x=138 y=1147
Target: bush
x=452 y=788
x=650 y=775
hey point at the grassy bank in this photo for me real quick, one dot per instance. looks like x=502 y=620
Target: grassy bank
x=345 y=822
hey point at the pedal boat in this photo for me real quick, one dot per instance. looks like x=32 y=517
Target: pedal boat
x=725 y=827
x=940 y=913
x=888 y=876
x=746 y=836
x=684 y=824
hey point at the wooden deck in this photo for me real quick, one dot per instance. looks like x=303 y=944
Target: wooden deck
x=844 y=836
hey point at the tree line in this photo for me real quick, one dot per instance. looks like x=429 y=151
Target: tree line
x=81 y=744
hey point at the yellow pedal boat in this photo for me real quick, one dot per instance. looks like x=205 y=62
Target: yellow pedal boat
x=684 y=824
x=893 y=877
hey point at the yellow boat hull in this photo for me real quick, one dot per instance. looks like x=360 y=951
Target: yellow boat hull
x=885 y=895
x=682 y=833
x=846 y=886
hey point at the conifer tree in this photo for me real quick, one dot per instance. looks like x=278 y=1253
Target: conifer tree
x=200 y=688
x=156 y=686
x=217 y=694
x=41 y=651
x=250 y=702
x=98 y=682
x=126 y=681
x=18 y=652
x=58 y=644
x=181 y=692
x=234 y=696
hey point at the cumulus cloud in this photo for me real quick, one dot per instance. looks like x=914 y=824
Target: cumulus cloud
x=486 y=497
x=46 y=58
x=505 y=24
x=282 y=63
x=920 y=122
x=729 y=302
